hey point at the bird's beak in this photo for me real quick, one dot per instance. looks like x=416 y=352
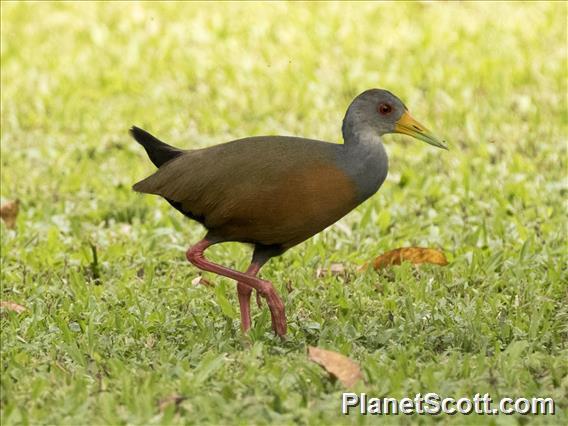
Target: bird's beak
x=409 y=126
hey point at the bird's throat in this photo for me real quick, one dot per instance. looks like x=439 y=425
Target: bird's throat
x=365 y=160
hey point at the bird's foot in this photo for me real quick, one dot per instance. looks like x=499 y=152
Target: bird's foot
x=277 y=312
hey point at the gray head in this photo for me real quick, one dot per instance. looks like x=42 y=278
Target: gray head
x=379 y=112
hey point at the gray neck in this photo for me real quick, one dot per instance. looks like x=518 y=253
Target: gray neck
x=364 y=158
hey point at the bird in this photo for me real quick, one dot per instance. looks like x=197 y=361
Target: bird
x=274 y=192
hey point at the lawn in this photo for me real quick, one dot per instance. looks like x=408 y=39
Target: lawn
x=115 y=330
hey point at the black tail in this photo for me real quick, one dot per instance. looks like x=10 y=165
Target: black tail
x=158 y=151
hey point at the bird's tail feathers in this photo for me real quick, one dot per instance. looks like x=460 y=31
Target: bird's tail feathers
x=158 y=151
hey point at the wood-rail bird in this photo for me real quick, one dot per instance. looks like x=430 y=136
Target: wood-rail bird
x=276 y=191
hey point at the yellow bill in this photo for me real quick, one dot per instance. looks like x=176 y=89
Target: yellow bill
x=407 y=125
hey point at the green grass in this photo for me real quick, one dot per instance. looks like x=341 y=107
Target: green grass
x=489 y=78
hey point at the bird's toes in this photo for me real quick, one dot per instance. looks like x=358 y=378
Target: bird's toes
x=278 y=317
x=281 y=327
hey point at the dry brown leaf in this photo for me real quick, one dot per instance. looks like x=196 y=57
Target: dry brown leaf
x=11 y=306
x=9 y=212
x=335 y=269
x=202 y=281
x=414 y=255
x=339 y=366
x=170 y=400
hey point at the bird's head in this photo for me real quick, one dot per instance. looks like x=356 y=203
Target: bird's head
x=382 y=112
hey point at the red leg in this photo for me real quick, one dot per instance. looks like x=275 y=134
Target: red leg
x=265 y=288
x=244 y=292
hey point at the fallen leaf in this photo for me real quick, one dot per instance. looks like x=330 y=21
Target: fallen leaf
x=9 y=212
x=175 y=399
x=150 y=341
x=335 y=269
x=414 y=255
x=11 y=306
x=339 y=366
x=203 y=281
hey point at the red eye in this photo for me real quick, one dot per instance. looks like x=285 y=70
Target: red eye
x=384 y=109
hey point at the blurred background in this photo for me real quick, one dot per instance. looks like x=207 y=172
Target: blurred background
x=490 y=78
x=76 y=76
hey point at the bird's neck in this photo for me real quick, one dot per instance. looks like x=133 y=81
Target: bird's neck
x=364 y=159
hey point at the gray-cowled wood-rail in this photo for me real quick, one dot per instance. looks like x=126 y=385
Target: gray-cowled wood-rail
x=276 y=191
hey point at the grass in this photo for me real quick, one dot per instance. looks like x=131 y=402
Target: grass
x=104 y=342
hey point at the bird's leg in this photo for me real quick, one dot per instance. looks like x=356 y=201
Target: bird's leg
x=196 y=257
x=244 y=292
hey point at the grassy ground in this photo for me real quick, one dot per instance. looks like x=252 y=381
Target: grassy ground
x=106 y=341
